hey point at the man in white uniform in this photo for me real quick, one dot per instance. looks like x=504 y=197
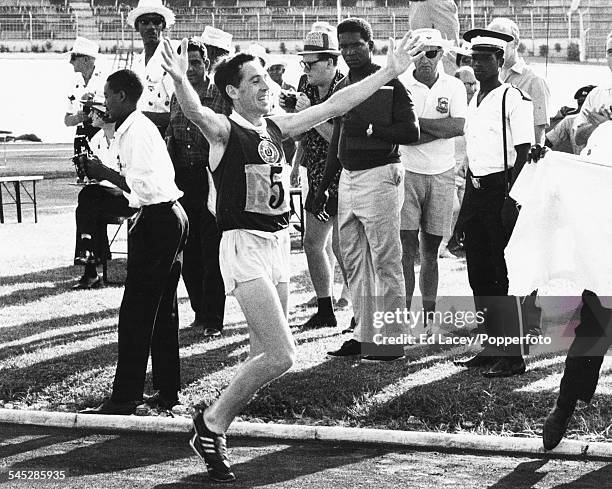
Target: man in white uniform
x=498 y=133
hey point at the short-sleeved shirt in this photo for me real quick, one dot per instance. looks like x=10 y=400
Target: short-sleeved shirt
x=483 y=129
x=158 y=86
x=189 y=145
x=562 y=137
x=446 y=98
x=78 y=88
x=145 y=162
x=522 y=76
x=315 y=146
x=601 y=95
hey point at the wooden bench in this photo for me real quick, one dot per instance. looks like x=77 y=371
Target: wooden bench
x=18 y=183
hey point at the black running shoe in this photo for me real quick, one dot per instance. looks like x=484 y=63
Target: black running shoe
x=320 y=321
x=211 y=448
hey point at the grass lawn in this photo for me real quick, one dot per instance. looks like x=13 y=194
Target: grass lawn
x=58 y=352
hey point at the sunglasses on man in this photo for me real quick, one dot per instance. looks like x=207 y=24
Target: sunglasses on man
x=432 y=53
x=309 y=64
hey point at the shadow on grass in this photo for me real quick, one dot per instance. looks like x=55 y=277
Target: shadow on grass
x=34 y=378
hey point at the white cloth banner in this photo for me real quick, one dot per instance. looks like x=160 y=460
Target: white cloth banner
x=564 y=229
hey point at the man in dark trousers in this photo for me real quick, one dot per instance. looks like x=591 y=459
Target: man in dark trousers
x=364 y=144
x=188 y=149
x=486 y=213
x=148 y=318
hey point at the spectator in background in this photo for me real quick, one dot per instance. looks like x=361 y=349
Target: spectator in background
x=429 y=163
x=466 y=75
x=188 y=150
x=516 y=72
x=276 y=70
x=98 y=201
x=320 y=64
x=562 y=136
x=150 y=18
x=88 y=80
x=218 y=44
x=437 y=14
x=597 y=107
x=364 y=144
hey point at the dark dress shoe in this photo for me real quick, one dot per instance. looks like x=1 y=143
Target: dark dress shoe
x=88 y=282
x=161 y=401
x=86 y=257
x=555 y=425
x=506 y=367
x=210 y=332
x=482 y=359
x=113 y=407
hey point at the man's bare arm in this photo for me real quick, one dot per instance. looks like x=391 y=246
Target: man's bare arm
x=215 y=127
x=398 y=60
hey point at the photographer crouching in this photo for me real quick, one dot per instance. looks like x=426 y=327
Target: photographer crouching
x=98 y=202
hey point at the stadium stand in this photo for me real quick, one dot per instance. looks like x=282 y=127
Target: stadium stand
x=288 y=19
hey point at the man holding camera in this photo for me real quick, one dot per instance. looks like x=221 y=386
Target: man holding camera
x=148 y=317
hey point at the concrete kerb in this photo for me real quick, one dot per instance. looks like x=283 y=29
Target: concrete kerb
x=429 y=440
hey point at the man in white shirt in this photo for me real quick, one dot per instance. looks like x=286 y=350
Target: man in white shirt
x=150 y=18
x=148 y=318
x=500 y=118
x=88 y=80
x=516 y=72
x=440 y=103
x=252 y=182
x=597 y=107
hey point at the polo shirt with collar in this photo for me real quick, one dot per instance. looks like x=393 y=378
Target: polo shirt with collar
x=158 y=86
x=483 y=130
x=145 y=163
x=522 y=76
x=446 y=98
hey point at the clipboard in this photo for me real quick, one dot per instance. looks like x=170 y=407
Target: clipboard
x=376 y=110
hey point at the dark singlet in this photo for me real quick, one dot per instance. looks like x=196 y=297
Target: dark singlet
x=252 y=181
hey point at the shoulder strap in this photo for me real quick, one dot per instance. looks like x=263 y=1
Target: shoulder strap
x=505 y=140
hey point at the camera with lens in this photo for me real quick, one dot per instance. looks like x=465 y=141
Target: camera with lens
x=82 y=151
x=289 y=99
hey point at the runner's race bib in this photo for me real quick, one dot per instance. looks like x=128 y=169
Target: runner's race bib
x=267 y=188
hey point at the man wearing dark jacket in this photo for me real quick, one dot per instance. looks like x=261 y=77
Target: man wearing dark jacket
x=365 y=144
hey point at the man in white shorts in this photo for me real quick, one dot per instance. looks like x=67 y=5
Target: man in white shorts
x=441 y=104
x=252 y=182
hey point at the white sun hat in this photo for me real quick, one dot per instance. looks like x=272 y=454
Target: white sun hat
x=218 y=38
x=84 y=46
x=151 y=7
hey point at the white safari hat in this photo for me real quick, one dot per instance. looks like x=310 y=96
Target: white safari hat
x=259 y=51
x=319 y=42
x=218 y=38
x=151 y=7
x=432 y=37
x=85 y=47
